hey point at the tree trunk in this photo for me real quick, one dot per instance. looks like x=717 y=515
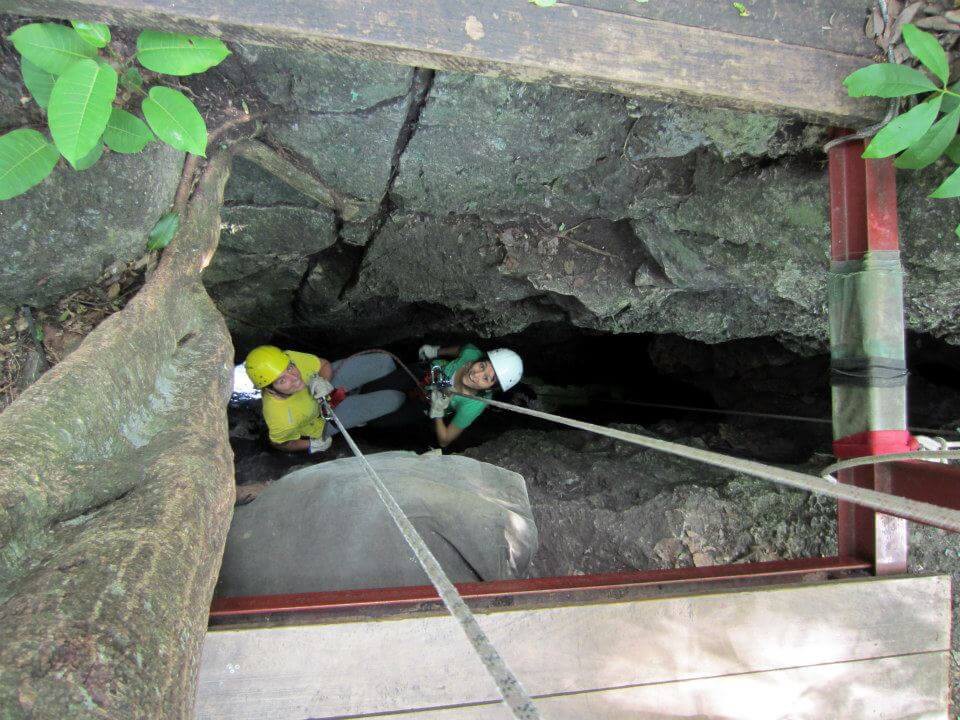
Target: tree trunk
x=116 y=492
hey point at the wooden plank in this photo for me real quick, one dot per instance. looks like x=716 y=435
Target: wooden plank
x=911 y=687
x=424 y=662
x=836 y=25
x=566 y=45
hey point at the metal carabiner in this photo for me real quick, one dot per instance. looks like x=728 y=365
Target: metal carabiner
x=439 y=381
x=326 y=412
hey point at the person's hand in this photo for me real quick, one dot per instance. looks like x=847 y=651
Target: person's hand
x=319 y=445
x=438 y=404
x=320 y=387
x=428 y=352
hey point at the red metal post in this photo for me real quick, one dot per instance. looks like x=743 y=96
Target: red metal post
x=863 y=219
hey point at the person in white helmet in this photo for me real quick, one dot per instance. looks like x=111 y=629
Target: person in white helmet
x=470 y=372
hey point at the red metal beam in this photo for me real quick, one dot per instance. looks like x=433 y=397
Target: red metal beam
x=928 y=482
x=225 y=608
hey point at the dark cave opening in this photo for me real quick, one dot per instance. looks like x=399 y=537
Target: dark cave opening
x=629 y=379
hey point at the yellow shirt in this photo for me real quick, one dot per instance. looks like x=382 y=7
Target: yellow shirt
x=297 y=415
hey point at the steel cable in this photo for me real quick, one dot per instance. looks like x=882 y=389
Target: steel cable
x=874 y=499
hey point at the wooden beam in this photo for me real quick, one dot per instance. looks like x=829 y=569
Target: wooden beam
x=403 y=663
x=858 y=690
x=571 y=45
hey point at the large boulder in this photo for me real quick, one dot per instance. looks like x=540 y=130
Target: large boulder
x=60 y=235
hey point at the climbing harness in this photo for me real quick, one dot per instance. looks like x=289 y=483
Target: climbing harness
x=512 y=692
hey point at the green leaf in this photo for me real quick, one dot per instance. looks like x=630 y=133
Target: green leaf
x=90 y=159
x=97 y=34
x=957 y=230
x=949 y=187
x=951 y=102
x=131 y=79
x=38 y=82
x=953 y=150
x=80 y=106
x=52 y=48
x=126 y=133
x=931 y=146
x=544 y=3
x=741 y=9
x=175 y=120
x=176 y=54
x=163 y=231
x=904 y=130
x=927 y=50
x=26 y=158
x=887 y=80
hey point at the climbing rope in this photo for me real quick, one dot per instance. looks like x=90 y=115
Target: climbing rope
x=880 y=501
x=512 y=692
x=769 y=416
x=826 y=485
x=892 y=457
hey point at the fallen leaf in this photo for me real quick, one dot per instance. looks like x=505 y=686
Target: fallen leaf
x=742 y=9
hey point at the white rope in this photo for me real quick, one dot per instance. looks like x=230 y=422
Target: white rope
x=512 y=692
x=892 y=457
x=883 y=502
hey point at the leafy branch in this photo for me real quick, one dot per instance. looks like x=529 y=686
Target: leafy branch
x=927 y=131
x=73 y=74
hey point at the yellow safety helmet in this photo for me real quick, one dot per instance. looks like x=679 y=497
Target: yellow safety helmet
x=265 y=364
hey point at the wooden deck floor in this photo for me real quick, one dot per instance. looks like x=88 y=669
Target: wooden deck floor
x=867 y=648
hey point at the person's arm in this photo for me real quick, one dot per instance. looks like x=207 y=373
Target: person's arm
x=298 y=445
x=326 y=370
x=446 y=434
x=450 y=351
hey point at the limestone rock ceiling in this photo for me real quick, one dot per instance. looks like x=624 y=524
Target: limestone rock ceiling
x=487 y=205
x=516 y=203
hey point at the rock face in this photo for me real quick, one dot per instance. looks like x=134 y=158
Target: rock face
x=60 y=235
x=488 y=205
x=604 y=506
x=505 y=205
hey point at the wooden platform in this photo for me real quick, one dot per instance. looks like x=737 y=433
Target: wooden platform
x=869 y=648
x=785 y=57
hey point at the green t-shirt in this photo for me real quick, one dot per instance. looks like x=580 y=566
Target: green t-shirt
x=464 y=410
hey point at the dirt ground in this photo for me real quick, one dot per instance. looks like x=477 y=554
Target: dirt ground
x=33 y=340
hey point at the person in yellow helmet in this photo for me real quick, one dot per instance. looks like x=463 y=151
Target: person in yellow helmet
x=293 y=382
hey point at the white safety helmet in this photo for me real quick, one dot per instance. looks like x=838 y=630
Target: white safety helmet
x=507 y=365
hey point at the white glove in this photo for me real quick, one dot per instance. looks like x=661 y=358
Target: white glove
x=319 y=445
x=428 y=352
x=438 y=404
x=320 y=387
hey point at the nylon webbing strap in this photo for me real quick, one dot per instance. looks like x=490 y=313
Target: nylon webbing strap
x=507 y=683
x=883 y=502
